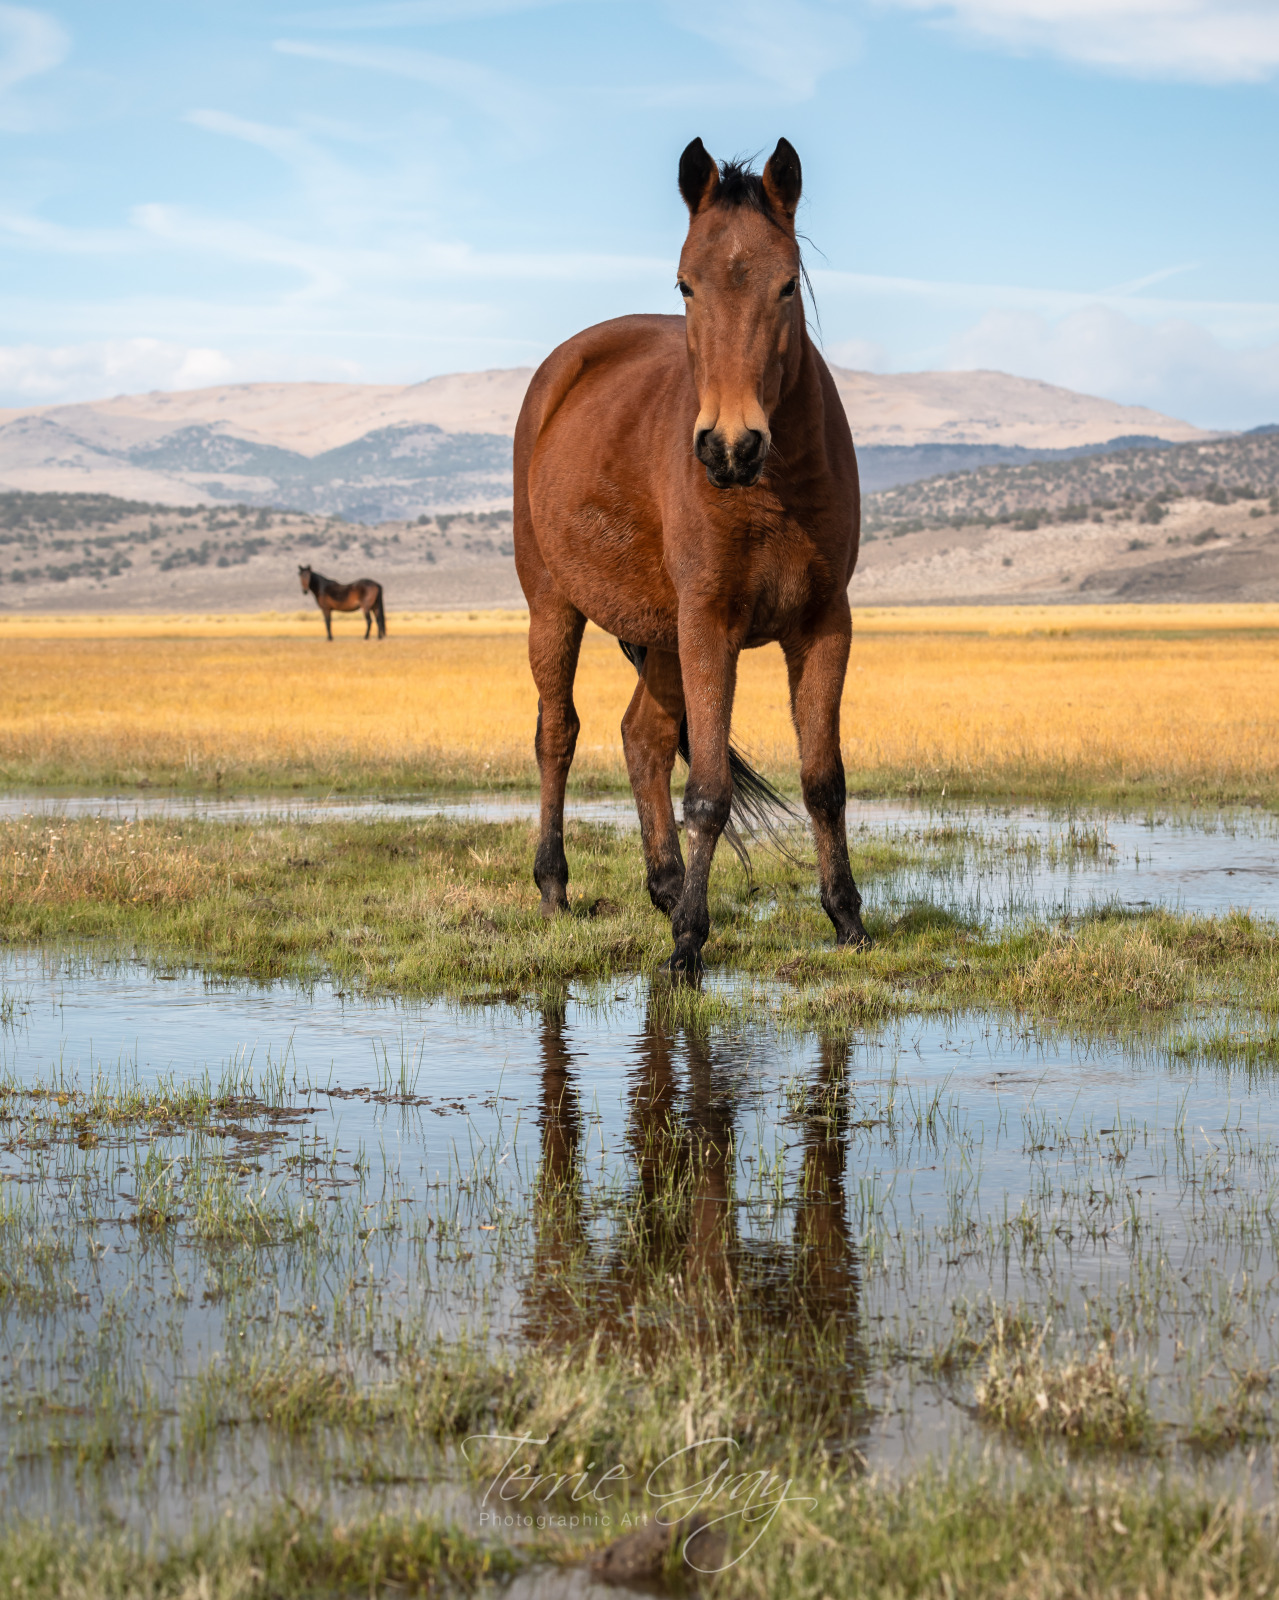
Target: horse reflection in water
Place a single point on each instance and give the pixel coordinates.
(677, 1250)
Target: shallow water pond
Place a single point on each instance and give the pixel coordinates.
(200, 1180)
(285, 1244)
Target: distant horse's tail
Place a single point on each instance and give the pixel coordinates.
(380, 614)
(757, 806)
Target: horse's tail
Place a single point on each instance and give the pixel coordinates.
(757, 806)
(380, 614)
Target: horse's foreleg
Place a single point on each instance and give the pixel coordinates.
(554, 639)
(650, 737)
(328, 621)
(816, 666)
(708, 665)
(712, 1216)
(822, 1237)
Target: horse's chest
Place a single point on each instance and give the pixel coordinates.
(784, 572)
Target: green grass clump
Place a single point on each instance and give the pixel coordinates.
(1232, 1047)
(1084, 1401)
(285, 1556)
(974, 1534)
(441, 907)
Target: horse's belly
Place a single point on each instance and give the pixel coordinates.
(609, 565)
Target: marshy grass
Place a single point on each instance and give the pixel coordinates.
(445, 907)
(288, 1554)
(1243, 1046)
(933, 1538)
(793, 1228)
(1087, 702)
(1083, 1399)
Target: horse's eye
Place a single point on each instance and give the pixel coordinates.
(789, 288)
(685, 290)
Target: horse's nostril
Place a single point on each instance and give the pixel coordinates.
(700, 443)
(751, 447)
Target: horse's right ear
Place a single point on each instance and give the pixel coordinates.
(783, 180)
(698, 177)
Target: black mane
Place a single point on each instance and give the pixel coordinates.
(739, 186)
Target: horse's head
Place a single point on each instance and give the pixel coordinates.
(304, 574)
(739, 273)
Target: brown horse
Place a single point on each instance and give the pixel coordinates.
(363, 595)
(691, 487)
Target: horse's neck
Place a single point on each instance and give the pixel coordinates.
(801, 383)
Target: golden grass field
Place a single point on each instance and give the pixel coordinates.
(1100, 702)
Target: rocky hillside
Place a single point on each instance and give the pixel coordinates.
(67, 553)
(1190, 522)
(96, 552)
(1137, 482)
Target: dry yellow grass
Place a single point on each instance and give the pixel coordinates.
(1097, 701)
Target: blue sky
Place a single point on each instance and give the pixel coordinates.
(1082, 191)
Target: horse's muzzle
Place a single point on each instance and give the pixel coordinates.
(731, 466)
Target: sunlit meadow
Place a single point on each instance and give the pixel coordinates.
(1098, 702)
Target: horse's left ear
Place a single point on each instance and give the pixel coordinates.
(783, 179)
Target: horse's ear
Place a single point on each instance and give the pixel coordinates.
(698, 177)
(783, 179)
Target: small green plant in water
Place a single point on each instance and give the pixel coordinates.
(1086, 1402)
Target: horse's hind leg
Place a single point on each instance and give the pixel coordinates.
(368, 622)
(554, 639)
(650, 737)
(816, 666)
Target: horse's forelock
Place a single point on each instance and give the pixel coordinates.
(741, 189)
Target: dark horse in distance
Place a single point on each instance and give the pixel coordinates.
(363, 595)
(690, 486)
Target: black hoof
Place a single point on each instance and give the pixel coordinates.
(854, 938)
(685, 966)
(554, 904)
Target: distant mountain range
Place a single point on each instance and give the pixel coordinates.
(1193, 521)
(377, 453)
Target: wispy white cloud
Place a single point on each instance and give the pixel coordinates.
(415, 13)
(36, 233)
(321, 269)
(1228, 319)
(863, 355)
(31, 43)
(286, 143)
(492, 93)
(408, 259)
(1204, 41)
(34, 374)
(340, 197)
(1173, 364)
(1147, 280)
(790, 48)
